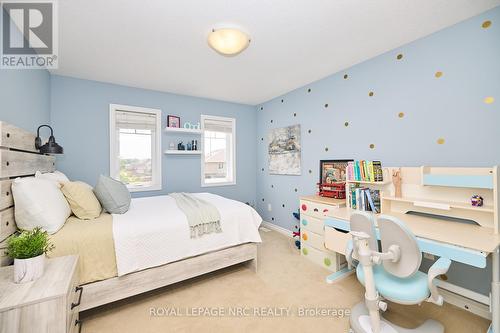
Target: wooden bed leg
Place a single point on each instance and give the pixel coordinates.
(252, 264)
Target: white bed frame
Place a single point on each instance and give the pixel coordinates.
(19, 158)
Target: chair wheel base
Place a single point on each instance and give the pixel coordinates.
(360, 323)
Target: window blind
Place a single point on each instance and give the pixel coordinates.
(215, 125)
(135, 120)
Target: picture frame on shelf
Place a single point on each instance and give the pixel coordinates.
(333, 171)
(173, 121)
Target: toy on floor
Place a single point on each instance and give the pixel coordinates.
(297, 228)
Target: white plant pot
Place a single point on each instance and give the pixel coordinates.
(27, 270)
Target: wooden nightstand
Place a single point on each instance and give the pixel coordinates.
(49, 304)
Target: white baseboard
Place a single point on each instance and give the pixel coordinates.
(277, 228)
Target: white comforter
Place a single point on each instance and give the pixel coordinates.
(155, 231)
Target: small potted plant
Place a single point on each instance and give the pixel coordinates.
(28, 249)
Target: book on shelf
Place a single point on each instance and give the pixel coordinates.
(368, 171)
(363, 198)
(377, 170)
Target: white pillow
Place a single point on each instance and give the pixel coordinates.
(56, 176)
(39, 203)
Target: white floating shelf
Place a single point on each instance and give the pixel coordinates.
(183, 152)
(182, 130)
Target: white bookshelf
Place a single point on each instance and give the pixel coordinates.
(182, 152)
(183, 130)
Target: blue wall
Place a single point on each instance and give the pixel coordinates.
(25, 98)
(450, 107)
(80, 116)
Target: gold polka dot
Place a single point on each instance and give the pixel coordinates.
(399, 57)
(346, 124)
(486, 24)
(346, 76)
(370, 93)
(401, 114)
(489, 100)
(372, 146)
(440, 141)
(438, 74)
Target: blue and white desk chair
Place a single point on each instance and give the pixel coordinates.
(391, 274)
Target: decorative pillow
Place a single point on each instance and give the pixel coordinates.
(82, 200)
(56, 176)
(39, 203)
(113, 195)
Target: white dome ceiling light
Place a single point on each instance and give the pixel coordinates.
(228, 41)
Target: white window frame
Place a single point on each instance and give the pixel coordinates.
(113, 149)
(233, 125)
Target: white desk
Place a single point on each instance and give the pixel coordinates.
(465, 243)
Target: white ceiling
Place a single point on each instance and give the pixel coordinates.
(161, 44)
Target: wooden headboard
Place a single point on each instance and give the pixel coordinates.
(18, 158)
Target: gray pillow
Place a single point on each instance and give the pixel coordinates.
(113, 195)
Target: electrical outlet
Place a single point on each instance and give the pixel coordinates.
(429, 256)
(269, 208)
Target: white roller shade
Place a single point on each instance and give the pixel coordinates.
(135, 120)
(216, 125)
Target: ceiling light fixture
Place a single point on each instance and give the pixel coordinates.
(228, 41)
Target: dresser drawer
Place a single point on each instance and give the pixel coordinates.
(328, 260)
(317, 210)
(312, 224)
(313, 239)
(336, 240)
(74, 324)
(7, 223)
(73, 301)
(4, 259)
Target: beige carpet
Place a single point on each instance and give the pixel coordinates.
(284, 280)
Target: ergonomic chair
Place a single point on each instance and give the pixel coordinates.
(392, 274)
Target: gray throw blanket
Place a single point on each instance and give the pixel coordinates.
(203, 217)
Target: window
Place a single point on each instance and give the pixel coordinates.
(218, 165)
(135, 147)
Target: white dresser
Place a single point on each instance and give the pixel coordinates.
(313, 210)
(47, 305)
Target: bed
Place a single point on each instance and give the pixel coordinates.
(111, 268)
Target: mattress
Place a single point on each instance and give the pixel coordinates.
(92, 241)
(155, 231)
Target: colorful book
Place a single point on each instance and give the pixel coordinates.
(350, 171)
(370, 171)
(377, 170)
(362, 169)
(371, 204)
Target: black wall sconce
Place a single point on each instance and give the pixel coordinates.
(51, 147)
